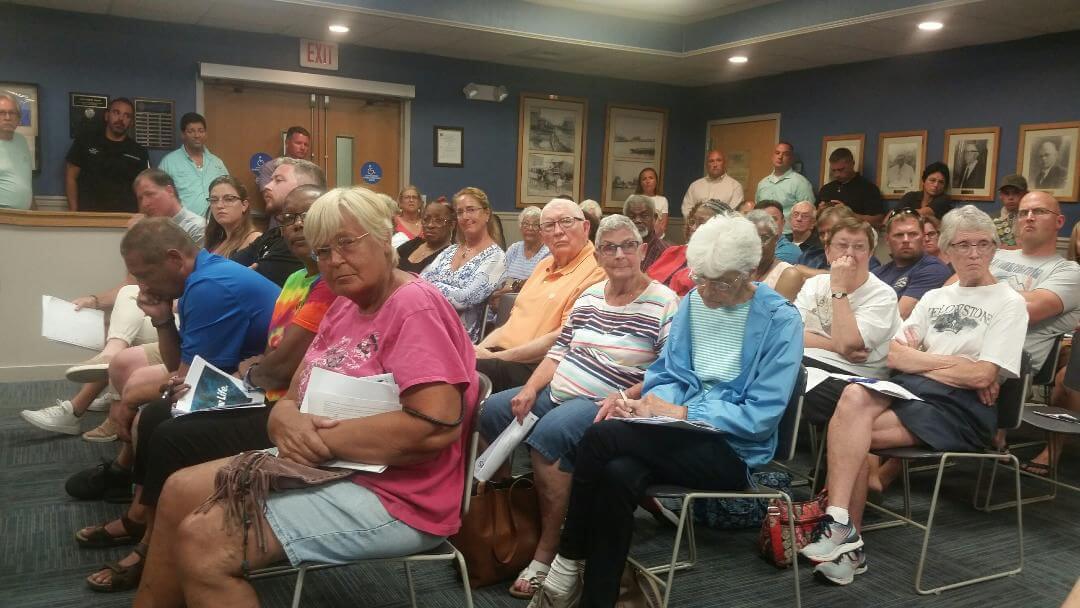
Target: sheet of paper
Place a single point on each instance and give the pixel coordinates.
(814, 377)
(882, 386)
(341, 464)
(346, 408)
(690, 425)
(213, 389)
(61, 323)
(328, 383)
(500, 449)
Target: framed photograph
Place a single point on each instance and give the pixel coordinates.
(634, 139)
(449, 145)
(901, 158)
(551, 148)
(855, 142)
(29, 102)
(1048, 158)
(971, 155)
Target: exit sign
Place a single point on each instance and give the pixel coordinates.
(318, 54)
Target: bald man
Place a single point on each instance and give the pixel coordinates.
(716, 185)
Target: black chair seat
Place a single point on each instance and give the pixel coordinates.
(1049, 424)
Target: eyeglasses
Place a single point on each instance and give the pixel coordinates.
(1035, 211)
(901, 211)
(470, 211)
(434, 221)
(531, 225)
(565, 222)
(965, 247)
(930, 234)
(343, 245)
(228, 199)
(715, 284)
(627, 247)
(11, 113)
(288, 219)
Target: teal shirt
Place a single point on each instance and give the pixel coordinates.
(193, 183)
(787, 190)
(15, 166)
(716, 336)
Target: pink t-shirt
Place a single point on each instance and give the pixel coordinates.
(417, 336)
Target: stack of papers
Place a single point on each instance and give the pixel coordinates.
(60, 322)
(675, 423)
(213, 390)
(342, 397)
(815, 376)
(500, 449)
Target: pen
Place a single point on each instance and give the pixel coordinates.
(623, 395)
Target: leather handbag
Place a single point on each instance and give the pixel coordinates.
(498, 535)
(775, 540)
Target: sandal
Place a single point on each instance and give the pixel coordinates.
(534, 574)
(1035, 468)
(124, 578)
(99, 537)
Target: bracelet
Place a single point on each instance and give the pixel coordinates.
(248, 384)
(167, 321)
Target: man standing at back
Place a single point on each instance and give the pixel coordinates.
(15, 162)
(784, 185)
(297, 145)
(849, 188)
(716, 185)
(101, 165)
(192, 166)
(1013, 188)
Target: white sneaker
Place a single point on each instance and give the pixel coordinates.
(102, 403)
(94, 369)
(59, 418)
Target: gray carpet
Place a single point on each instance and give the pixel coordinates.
(42, 566)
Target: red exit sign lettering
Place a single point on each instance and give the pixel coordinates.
(318, 54)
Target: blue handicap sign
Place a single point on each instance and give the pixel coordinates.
(371, 172)
(258, 160)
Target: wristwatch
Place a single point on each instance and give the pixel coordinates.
(838, 295)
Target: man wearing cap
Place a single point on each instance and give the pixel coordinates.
(1013, 188)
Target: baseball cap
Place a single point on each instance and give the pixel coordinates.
(1015, 181)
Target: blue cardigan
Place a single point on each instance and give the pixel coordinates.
(748, 408)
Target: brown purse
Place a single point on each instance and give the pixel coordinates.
(498, 535)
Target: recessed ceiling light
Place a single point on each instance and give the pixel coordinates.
(931, 26)
(339, 29)
(738, 59)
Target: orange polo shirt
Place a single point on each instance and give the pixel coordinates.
(547, 297)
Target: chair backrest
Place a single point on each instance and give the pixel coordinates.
(474, 440)
(1045, 375)
(506, 304)
(1010, 401)
(1072, 371)
(789, 424)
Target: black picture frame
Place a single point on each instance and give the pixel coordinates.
(448, 146)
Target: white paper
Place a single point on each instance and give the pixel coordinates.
(61, 323)
(500, 449)
(213, 390)
(814, 377)
(675, 423)
(340, 464)
(882, 386)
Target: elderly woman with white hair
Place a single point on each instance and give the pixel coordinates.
(731, 361)
(384, 321)
(522, 256)
(771, 270)
(954, 349)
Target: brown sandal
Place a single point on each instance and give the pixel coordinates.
(99, 537)
(123, 578)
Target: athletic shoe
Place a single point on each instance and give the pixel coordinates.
(830, 540)
(94, 369)
(102, 403)
(104, 481)
(102, 433)
(59, 418)
(842, 571)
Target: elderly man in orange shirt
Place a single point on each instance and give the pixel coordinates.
(509, 354)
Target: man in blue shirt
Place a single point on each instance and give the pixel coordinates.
(192, 166)
(785, 249)
(911, 273)
(784, 185)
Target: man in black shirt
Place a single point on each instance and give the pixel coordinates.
(851, 189)
(102, 165)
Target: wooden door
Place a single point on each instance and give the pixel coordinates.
(747, 145)
(355, 131)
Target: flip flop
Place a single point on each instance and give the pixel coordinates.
(1035, 468)
(99, 538)
(534, 574)
(124, 578)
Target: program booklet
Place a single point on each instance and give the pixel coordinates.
(214, 390)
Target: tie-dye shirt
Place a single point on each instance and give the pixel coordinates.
(303, 302)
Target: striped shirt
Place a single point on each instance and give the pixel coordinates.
(604, 348)
(717, 340)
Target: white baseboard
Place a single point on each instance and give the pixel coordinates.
(32, 373)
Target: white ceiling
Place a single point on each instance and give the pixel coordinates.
(670, 11)
(967, 23)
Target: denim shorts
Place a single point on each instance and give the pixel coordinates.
(340, 522)
(557, 432)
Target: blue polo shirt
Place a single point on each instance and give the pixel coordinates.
(193, 183)
(915, 280)
(225, 312)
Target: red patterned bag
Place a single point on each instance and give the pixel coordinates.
(775, 538)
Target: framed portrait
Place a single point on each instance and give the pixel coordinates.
(901, 158)
(1048, 158)
(971, 155)
(449, 144)
(634, 139)
(29, 102)
(551, 148)
(855, 142)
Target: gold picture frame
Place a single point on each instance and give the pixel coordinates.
(635, 138)
(551, 148)
(856, 142)
(901, 159)
(1054, 144)
(972, 158)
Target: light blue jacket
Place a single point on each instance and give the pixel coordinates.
(747, 409)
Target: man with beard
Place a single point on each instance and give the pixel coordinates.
(911, 273)
(102, 165)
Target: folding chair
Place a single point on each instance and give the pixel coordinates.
(502, 313)
(785, 449)
(444, 552)
(1009, 408)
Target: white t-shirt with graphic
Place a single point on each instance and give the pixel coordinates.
(876, 315)
(981, 323)
(1053, 273)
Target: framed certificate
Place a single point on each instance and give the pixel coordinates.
(449, 145)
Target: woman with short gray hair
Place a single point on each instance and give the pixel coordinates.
(522, 256)
(772, 271)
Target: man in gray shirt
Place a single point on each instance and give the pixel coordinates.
(156, 192)
(15, 163)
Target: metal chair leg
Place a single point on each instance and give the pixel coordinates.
(299, 588)
(672, 565)
(795, 556)
(464, 578)
(409, 581)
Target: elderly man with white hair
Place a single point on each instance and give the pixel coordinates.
(15, 161)
(731, 361)
(511, 353)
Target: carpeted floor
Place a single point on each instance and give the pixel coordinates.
(41, 566)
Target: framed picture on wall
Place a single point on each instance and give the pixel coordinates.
(971, 155)
(551, 148)
(1048, 158)
(855, 143)
(634, 139)
(901, 158)
(448, 145)
(29, 101)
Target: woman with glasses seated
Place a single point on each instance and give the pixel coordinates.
(616, 328)
(522, 256)
(670, 268)
(772, 271)
(731, 361)
(228, 217)
(466, 272)
(958, 344)
(438, 222)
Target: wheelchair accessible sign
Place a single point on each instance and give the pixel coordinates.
(371, 172)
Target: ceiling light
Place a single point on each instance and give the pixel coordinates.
(339, 29)
(931, 26)
(738, 59)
